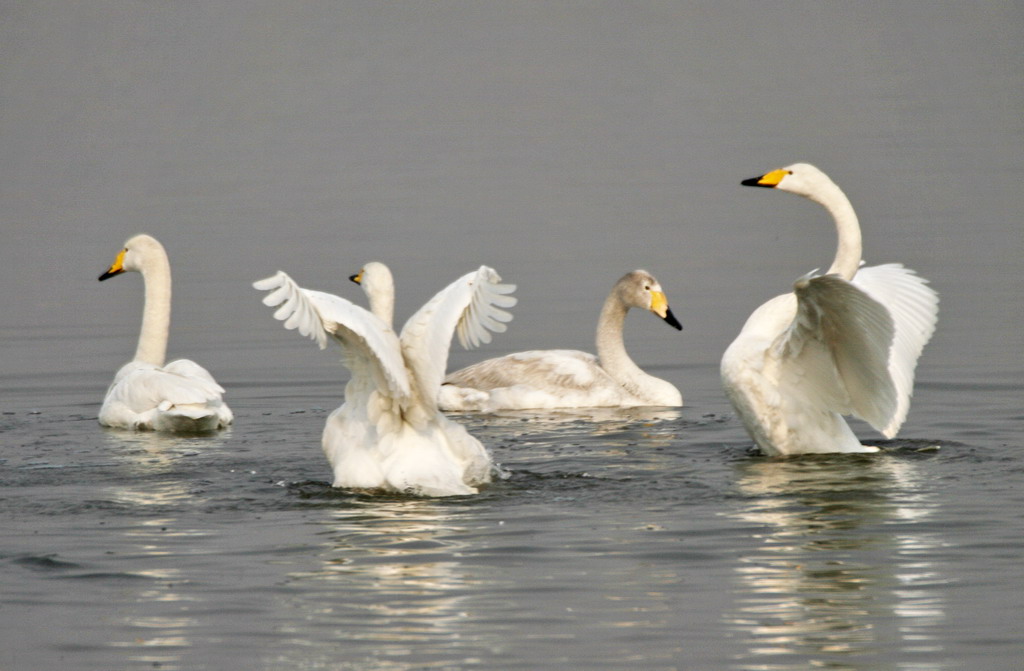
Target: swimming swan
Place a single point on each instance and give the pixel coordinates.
(389, 433)
(845, 342)
(180, 397)
(570, 378)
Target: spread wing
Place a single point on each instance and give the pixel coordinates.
(371, 348)
(471, 306)
(914, 308)
(835, 354)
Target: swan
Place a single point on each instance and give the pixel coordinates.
(389, 433)
(570, 378)
(181, 397)
(843, 343)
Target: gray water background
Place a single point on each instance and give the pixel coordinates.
(564, 144)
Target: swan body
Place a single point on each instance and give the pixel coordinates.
(570, 378)
(389, 434)
(843, 343)
(180, 397)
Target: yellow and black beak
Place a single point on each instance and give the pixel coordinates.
(769, 180)
(357, 278)
(117, 267)
(659, 306)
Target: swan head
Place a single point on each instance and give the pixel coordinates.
(135, 256)
(802, 179)
(375, 279)
(640, 289)
(379, 286)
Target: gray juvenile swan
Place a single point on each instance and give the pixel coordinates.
(570, 378)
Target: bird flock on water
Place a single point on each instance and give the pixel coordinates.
(844, 342)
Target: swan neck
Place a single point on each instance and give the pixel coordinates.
(380, 293)
(382, 305)
(849, 249)
(612, 356)
(611, 349)
(156, 314)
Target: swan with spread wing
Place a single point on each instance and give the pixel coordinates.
(389, 434)
(842, 343)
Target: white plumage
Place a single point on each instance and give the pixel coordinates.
(843, 343)
(570, 378)
(180, 397)
(389, 434)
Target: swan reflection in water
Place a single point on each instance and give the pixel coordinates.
(161, 624)
(151, 463)
(612, 428)
(388, 576)
(601, 420)
(588, 442)
(841, 576)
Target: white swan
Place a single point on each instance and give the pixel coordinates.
(842, 343)
(179, 397)
(389, 433)
(570, 378)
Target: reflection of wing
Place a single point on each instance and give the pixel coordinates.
(834, 355)
(371, 347)
(470, 306)
(914, 308)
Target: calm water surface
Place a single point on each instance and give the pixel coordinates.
(564, 144)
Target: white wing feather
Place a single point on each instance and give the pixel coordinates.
(471, 306)
(835, 353)
(142, 386)
(370, 345)
(914, 307)
(190, 369)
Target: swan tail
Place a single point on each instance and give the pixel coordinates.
(186, 418)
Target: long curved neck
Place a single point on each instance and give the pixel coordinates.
(382, 304)
(848, 250)
(611, 350)
(156, 315)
